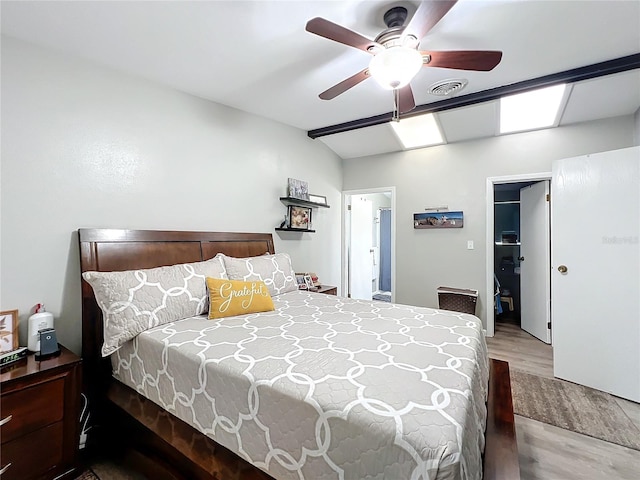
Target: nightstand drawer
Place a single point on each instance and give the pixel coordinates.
(32, 455)
(31, 408)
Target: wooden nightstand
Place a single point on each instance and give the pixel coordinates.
(40, 410)
(327, 289)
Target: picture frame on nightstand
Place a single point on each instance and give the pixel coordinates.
(304, 281)
(8, 330)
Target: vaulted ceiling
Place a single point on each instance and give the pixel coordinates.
(257, 56)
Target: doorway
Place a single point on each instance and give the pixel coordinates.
(368, 244)
(522, 256)
(383, 255)
(504, 256)
(506, 251)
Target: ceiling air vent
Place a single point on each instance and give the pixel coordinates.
(447, 87)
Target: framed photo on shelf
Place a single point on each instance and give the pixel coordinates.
(318, 199)
(299, 217)
(8, 330)
(297, 189)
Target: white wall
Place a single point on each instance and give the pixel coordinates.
(85, 146)
(636, 131)
(455, 175)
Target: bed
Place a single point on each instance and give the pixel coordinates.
(283, 413)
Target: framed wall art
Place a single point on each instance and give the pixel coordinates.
(438, 220)
(299, 217)
(297, 189)
(321, 199)
(8, 330)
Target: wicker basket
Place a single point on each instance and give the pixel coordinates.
(457, 299)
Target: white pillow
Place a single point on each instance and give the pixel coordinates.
(274, 270)
(136, 300)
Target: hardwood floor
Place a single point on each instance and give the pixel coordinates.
(550, 453)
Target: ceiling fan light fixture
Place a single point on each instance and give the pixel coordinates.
(395, 67)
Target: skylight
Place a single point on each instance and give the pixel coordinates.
(531, 110)
(419, 131)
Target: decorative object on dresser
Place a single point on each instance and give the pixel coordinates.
(302, 284)
(40, 408)
(8, 330)
(314, 279)
(305, 281)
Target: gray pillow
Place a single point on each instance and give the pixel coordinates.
(136, 300)
(274, 270)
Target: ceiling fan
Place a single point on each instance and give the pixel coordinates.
(396, 58)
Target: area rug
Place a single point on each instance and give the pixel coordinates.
(382, 297)
(87, 475)
(572, 407)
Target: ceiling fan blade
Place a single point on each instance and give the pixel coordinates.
(428, 14)
(345, 85)
(406, 101)
(480, 60)
(339, 34)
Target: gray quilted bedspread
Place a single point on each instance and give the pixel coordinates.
(325, 387)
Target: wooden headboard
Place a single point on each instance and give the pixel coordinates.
(106, 250)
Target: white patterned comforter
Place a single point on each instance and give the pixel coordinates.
(325, 387)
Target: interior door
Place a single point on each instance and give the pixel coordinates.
(385, 250)
(535, 263)
(360, 252)
(595, 280)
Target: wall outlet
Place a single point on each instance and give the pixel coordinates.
(469, 244)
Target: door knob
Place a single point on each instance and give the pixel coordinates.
(562, 269)
(521, 259)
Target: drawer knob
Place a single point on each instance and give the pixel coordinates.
(5, 468)
(5, 420)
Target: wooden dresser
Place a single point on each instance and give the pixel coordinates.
(40, 414)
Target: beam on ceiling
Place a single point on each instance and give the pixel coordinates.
(610, 67)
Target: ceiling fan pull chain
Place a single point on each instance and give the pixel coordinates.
(396, 105)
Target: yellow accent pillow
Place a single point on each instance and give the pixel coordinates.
(235, 297)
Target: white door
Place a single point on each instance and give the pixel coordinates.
(360, 253)
(595, 280)
(535, 263)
